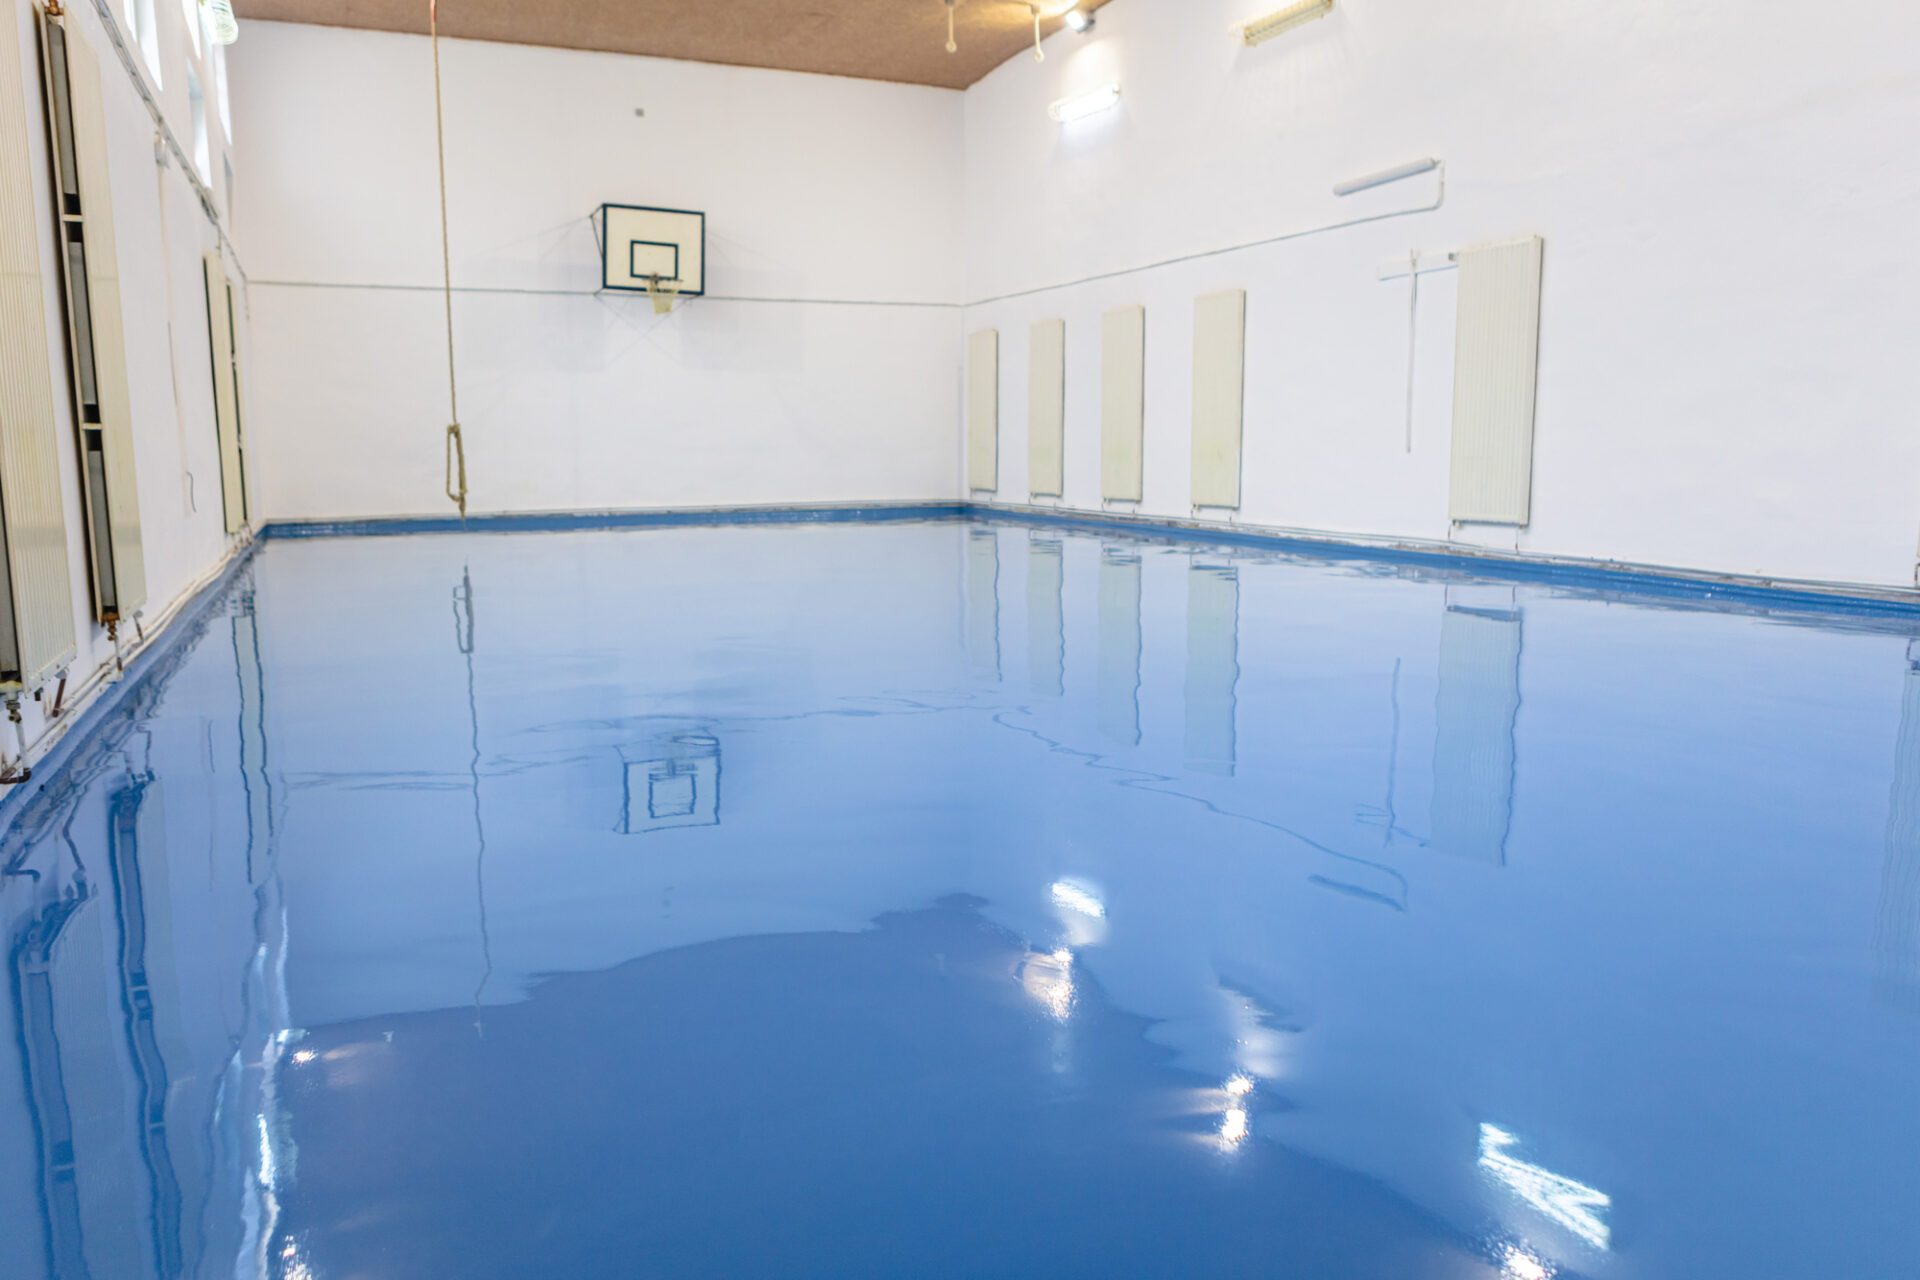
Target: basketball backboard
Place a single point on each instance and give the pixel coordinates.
(653, 248)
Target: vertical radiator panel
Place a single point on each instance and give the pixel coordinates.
(1496, 362)
(1475, 714)
(1046, 617)
(1046, 408)
(226, 399)
(1219, 381)
(983, 410)
(1213, 666)
(234, 304)
(109, 342)
(1123, 402)
(1119, 684)
(32, 509)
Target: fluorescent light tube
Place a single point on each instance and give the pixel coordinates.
(1082, 105)
(1411, 168)
(1260, 30)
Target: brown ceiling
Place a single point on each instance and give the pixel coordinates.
(901, 40)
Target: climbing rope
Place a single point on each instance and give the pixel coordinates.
(456, 446)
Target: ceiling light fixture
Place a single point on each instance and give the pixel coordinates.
(1082, 105)
(1260, 30)
(1078, 19)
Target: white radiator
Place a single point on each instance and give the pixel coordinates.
(983, 410)
(1496, 359)
(226, 392)
(1219, 376)
(1123, 402)
(37, 600)
(1046, 408)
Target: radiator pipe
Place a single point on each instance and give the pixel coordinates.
(17, 770)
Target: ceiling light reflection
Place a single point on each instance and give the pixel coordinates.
(1574, 1205)
(1523, 1266)
(1236, 1117)
(1048, 978)
(1077, 898)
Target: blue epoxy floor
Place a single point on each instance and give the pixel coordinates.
(945, 899)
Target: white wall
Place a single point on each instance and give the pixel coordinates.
(1723, 190)
(1726, 190)
(163, 302)
(814, 187)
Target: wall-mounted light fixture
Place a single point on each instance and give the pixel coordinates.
(1412, 168)
(1082, 105)
(1260, 30)
(220, 22)
(1078, 19)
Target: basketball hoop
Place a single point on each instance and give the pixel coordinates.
(663, 295)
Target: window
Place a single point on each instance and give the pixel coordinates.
(220, 91)
(138, 15)
(190, 10)
(197, 104)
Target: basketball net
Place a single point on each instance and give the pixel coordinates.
(663, 295)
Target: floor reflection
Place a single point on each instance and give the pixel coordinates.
(1213, 665)
(1204, 1003)
(1473, 749)
(1896, 934)
(1046, 620)
(138, 898)
(983, 601)
(767, 1106)
(671, 782)
(1120, 645)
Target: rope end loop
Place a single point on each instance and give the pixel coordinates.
(457, 468)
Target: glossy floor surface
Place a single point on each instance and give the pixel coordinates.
(946, 899)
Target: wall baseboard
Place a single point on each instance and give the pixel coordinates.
(1862, 600)
(569, 521)
(1574, 572)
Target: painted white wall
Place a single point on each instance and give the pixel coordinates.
(1726, 193)
(1721, 189)
(815, 187)
(160, 231)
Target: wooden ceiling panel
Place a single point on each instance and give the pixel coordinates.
(899, 40)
